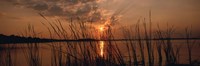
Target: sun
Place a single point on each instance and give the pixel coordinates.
(101, 28)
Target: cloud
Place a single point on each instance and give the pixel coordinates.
(41, 6)
(85, 10)
(55, 10)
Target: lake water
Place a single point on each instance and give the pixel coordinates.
(63, 53)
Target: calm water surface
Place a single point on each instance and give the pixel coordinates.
(45, 53)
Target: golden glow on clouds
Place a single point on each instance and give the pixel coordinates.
(177, 12)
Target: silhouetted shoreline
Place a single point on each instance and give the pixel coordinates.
(12, 39)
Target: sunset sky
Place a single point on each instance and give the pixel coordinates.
(15, 15)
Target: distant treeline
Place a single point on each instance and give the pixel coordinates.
(4, 39)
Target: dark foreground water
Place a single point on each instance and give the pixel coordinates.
(88, 53)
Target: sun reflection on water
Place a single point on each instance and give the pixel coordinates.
(101, 48)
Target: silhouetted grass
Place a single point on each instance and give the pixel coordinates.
(144, 51)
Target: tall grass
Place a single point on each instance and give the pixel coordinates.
(33, 53)
(140, 46)
(190, 44)
(80, 53)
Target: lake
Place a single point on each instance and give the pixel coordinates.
(94, 53)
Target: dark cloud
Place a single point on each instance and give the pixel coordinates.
(55, 10)
(41, 6)
(96, 17)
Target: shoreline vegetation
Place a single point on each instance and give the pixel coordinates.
(142, 45)
(157, 49)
